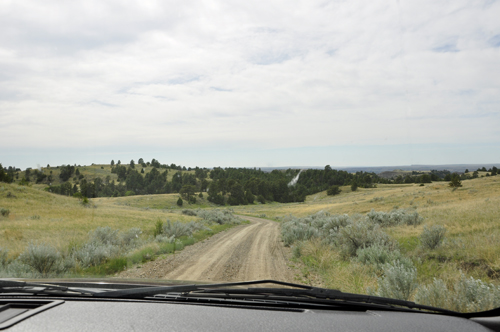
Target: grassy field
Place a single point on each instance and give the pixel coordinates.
(36, 215)
(471, 215)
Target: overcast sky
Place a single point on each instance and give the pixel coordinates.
(250, 83)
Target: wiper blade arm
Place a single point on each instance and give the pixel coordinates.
(141, 292)
(12, 286)
(330, 294)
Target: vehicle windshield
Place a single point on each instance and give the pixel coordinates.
(350, 145)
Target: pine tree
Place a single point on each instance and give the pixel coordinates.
(455, 181)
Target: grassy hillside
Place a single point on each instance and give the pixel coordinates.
(90, 173)
(471, 215)
(36, 215)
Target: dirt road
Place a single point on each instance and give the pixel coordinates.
(245, 252)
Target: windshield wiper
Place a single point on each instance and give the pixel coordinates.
(301, 293)
(11, 286)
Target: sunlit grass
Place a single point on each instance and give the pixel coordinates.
(471, 215)
(61, 219)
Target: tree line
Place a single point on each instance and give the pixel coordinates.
(233, 186)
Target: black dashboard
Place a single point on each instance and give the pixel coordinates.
(139, 315)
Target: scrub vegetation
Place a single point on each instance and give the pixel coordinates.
(69, 238)
(435, 245)
(433, 242)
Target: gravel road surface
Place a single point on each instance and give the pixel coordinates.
(244, 252)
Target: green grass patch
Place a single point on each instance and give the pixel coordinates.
(111, 267)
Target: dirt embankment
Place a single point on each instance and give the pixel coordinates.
(245, 252)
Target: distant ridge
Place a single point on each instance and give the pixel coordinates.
(379, 169)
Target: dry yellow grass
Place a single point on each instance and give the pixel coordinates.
(36, 215)
(471, 215)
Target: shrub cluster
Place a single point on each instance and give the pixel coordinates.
(348, 233)
(432, 237)
(107, 246)
(399, 280)
(105, 243)
(466, 295)
(176, 229)
(218, 216)
(189, 213)
(395, 217)
(42, 260)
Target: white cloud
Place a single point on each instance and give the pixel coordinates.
(264, 74)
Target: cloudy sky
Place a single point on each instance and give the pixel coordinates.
(250, 83)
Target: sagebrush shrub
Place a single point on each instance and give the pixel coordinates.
(105, 235)
(432, 237)
(165, 239)
(395, 217)
(434, 295)
(130, 238)
(398, 282)
(295, 230)
(466, 295)
(189, 212)
(220, 217)
(362, 235)
(378, 255)
(176, 229)
(105, 243)
(474, 295)
(42, 258)
(92, 254)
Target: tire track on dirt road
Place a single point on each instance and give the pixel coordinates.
(244, 252)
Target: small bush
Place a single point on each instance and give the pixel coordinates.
(432, 237)
(131, 238)
(297, 231)
(434, 295)
(158, 228)
(92, 254)
(466, 295)
(362, 235)
(42, 258)
(220, 217)
(333, 190)
(297, 250)
(176, 229)
(105, 235)
(399, 281)
(378, 255)
(5, 212)
(165, 239)
(395, 217)
(3, 257)
(189, 213)
(180, 202)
